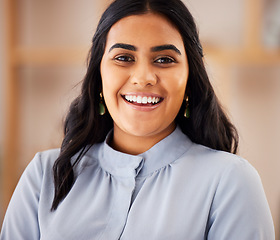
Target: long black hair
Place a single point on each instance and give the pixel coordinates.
(84, 126)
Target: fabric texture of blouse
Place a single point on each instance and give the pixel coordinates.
(176, 190)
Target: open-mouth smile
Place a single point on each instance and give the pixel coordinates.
(142, 100)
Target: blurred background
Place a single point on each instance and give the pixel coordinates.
(44, 45)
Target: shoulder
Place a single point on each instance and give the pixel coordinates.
(228, 175)
(218, 170)
(210, 161)
(222, 158)
(216, 160)
(41, 165)
(44, 159)
(50, 154)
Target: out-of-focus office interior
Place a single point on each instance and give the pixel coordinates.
(44, 45)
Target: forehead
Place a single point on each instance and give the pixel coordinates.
(147, 29)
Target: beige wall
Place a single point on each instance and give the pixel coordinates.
(2, 71)
(2, 91)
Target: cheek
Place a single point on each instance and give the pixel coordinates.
(108, 76)
(176, 83)
(112, 82)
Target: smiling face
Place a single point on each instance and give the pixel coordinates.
(144, 73)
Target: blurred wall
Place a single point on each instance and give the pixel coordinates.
(2, 91)
(2, 77)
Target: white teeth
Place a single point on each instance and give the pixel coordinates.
(139, 99)
(142, 100)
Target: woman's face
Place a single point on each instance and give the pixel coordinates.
(144, 73)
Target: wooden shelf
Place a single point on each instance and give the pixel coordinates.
(47, 56)
(78, 55)
(243, 56)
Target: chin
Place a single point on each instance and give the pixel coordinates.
(148, 130)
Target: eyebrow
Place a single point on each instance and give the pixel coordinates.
(124, 46)
(166, 47)
(153, 49)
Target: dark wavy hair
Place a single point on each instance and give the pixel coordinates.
(84, 126)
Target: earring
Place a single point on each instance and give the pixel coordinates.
(187, 110)
(102, 109)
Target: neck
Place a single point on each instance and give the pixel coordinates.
(133, 144)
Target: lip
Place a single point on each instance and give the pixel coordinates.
(140, 106)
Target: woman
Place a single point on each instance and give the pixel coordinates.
(132, 164)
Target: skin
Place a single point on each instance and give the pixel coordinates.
(133, 64)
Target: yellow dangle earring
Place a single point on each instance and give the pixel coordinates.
(187, 110)
(102, 109)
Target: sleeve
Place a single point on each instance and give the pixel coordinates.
(240, 209)
(21, 219)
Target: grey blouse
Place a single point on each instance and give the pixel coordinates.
(176, 190)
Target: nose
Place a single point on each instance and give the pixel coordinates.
(143, 75)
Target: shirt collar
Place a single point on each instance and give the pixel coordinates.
(160, 155)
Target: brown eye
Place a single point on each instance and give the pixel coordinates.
(124, 58)
(164, 60)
